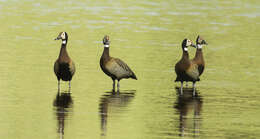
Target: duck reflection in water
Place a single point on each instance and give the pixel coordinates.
(63, 106)
(189, 108)
(113, 104)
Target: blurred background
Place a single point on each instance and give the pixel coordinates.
(147, 35)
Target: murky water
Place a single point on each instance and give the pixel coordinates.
(146, 35)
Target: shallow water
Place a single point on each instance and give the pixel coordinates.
(147, 36)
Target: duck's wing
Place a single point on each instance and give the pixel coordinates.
(193, 71)
(119, 69)
(201, 69)
(123, 65)
(72, 67)
(178, 68)
(56, 67)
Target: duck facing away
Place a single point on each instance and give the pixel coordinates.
(114, 67)
(185, 69)
(64, 67)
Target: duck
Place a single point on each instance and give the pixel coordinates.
(115, 68)
(185, 69)
(64, 67)
(198, 59)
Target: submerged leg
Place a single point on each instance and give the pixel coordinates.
(194, 89)
(118, 86)
(181, 88)
(114, 85)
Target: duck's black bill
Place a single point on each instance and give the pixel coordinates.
(204, 42)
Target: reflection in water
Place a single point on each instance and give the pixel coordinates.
(63, 104)
(189, 107)
(111, 103)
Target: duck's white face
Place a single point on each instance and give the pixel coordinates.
(200, 42)
(106, 41)
(63, 35)
(188, 43)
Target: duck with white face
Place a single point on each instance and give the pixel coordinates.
(198, 60)
(115, 68)
(184, 67)
(64, 67)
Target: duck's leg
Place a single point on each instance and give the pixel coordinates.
(118, 86)
(58, 86)
(113, 85)
(69, 86)
(194, 89)
(181, 88)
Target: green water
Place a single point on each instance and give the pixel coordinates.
(147, 36)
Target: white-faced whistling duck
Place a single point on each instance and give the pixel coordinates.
(185, 69)
(64, 67)
(198, 59)
(114, 67)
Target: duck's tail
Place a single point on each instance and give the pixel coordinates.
(133, 76)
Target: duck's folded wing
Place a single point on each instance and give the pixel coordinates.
(193, 71)
(56, 67)
(123, 65)
(118, 68)
(72, 68)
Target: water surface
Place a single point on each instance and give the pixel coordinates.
(147, 36)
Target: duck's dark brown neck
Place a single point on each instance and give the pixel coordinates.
(63, 52)
(199, 54)
(105, 55)
(185, 55)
